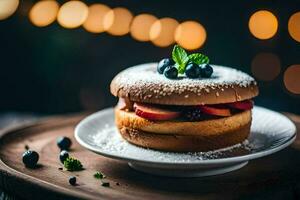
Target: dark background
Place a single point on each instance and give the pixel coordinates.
(55, 70)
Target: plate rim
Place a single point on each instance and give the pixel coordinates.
(234, 159)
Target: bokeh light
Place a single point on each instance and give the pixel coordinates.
(117, 21)
(292, 79)
(190, 35)
(44, 13)
(7, 8)
(95, 20)
(294, 26)
(263, 24)
(266, 66)
(72, 14)
(140, 27)
(162, 32)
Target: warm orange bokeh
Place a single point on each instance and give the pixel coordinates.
(44, 13)
(294, 26)
(117, 21)
(263, 24)
(7, 8)
(72, 14)
(140, 27)
(190, 35)
(162, 32)
(292, 80)
(95, 20)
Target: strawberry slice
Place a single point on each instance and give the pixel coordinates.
(154, 113)
(242, 105)
(224, 112)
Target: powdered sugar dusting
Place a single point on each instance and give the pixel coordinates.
(109, 141)
(145, 76)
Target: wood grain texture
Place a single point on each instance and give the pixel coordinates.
(275, 176)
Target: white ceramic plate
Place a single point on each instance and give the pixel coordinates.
(270, 132)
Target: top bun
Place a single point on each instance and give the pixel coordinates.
(142, 83)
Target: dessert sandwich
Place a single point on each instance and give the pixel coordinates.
(183, 104)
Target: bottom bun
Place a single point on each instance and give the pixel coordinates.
(179, 143)
(184, 136)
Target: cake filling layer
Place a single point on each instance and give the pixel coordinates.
(207, 127)
(156, 112)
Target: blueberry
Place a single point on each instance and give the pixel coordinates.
(163, 64)
(193, 114)
(72, 180)
(30, 158)
(206, 71)
(105, 184)
(63, 156)
(171, 72)
(192, 70)
(64, 143)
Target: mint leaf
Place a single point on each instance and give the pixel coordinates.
(72, 164)
(198, 58)
(99, 175)
(180, 57)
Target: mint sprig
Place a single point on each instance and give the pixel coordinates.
(181, 58)
(72, 164)
(198, 58)
(99, 175)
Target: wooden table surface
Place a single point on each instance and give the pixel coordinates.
(273, 177)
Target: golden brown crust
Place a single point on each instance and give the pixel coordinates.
(144, 84)
(180, 143)
(184, 136)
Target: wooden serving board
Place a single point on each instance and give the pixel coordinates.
(274, 176)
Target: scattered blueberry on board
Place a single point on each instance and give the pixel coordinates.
(193, 66)
(63, 156)
(105, 184)
(64, 143)
(30, 158)
(72, 180)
